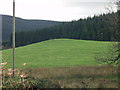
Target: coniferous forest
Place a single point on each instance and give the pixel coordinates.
(99, 28)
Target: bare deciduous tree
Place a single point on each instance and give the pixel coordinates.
(113, 56)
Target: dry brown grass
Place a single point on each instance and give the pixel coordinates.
(79, 77)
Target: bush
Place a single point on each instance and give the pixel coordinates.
(22, 79)
(29, 82)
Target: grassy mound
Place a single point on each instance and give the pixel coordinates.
(56, 53)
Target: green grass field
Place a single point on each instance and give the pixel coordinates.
(57, 53)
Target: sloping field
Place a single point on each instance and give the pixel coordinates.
(57, 53)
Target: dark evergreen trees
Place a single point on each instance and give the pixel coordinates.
(96, 28)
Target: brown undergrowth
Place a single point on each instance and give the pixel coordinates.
(79, 77)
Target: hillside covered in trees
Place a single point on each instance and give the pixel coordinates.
(24, 25)
(99, 28)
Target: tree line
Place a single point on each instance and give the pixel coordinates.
(99, 28)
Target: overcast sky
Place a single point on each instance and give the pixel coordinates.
(58, 10)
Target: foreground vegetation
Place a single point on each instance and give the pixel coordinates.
(65, 77)
(22, 80)
(79, 77)
(57, 53)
